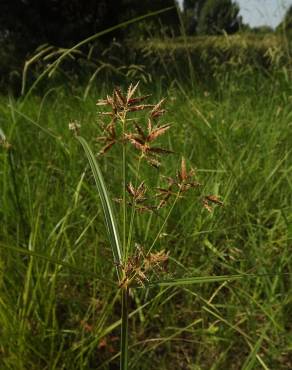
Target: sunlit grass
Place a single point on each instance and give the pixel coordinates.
(63, 311)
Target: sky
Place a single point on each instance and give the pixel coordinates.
(262, 12)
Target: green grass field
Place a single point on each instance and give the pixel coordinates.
(60, 302)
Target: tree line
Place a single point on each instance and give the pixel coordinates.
(65, 22)
(27, 24)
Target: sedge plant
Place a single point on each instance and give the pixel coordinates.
(136, 135)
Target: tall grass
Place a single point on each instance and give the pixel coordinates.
(60, 302)
(223, 294)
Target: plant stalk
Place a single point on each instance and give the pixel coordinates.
(123, 120)
(124, 329)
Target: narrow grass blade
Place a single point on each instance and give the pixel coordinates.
(109, 215)
(53, 260)
(206, 279)
(53, 66)
(194, 280)
(44, 129)
(253, 357)
(28, 63)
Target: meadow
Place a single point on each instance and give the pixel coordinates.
(60, 304)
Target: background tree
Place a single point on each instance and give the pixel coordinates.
(164, 23)
(27, 24)
(286, 24)
(65, 22)
(262, 29)
(191, 13)
(218, 16)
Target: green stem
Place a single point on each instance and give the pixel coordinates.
(124, 176)
(133, 212)
(124, 329)
(164, 222)
(124, 202)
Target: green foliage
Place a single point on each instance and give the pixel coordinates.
(262, 29)
(286, 24)
(212, 57)
(167, 23)
(191, 13)
(211, 17)
(58, 302)
(219, 16)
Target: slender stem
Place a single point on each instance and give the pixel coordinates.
(133, 212)
(124, 329)
(124, 314)
(164, 222)
(124, 176)
(124, 202)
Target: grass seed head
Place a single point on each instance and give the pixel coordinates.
(131, 91)
(208, 200)
(75, 127)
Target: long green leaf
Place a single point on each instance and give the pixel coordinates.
(109, 216)
(206, 279)
(194, 280)
(30, 120)
(54, 261)
(251, 359)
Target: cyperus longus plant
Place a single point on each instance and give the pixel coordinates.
(122, 124)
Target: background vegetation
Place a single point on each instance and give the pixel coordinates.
(229, 103)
